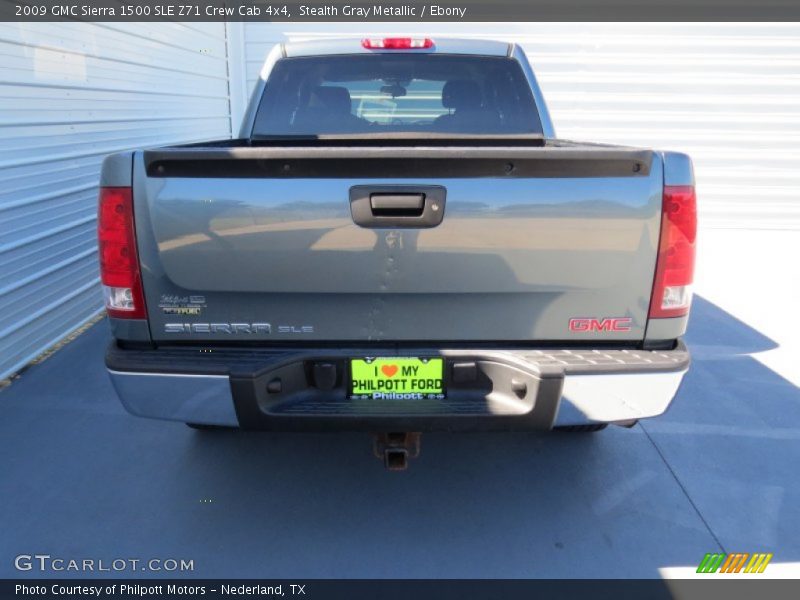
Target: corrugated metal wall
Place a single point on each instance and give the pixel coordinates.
(69, 95)
(726, 93)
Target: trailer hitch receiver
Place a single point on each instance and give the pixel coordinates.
(394, 449)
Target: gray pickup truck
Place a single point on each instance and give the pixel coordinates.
(397, 242)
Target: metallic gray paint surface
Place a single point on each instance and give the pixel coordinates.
(666, 329)
(678, 169)
(519, 55)
(514, 258)
(202, 399)
(353, 46)
(249, 118)
(117, 170)
(134, 330)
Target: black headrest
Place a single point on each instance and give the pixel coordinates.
(461, 94)
(334, 98)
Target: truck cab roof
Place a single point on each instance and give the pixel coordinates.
(327, 47)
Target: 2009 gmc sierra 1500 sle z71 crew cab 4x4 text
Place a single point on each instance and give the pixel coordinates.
(397, 242)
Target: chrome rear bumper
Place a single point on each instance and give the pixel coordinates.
(229, 387)
(202, 399)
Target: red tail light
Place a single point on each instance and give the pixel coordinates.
(396, 43)
(119, 264)
(675, 267)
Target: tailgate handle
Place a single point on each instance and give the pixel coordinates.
(397, 206)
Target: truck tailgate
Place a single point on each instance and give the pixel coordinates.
(261, 244)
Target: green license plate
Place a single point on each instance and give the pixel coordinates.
(397, 378)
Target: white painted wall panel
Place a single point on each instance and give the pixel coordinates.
(69, 95)
(726, 93)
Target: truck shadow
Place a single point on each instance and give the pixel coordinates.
(522, 505)
(731, 436)
(87, 479)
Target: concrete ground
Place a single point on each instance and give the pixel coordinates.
(718, 472)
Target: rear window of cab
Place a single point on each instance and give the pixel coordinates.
(432, 93)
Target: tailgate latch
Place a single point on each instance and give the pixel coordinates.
(397, 206)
